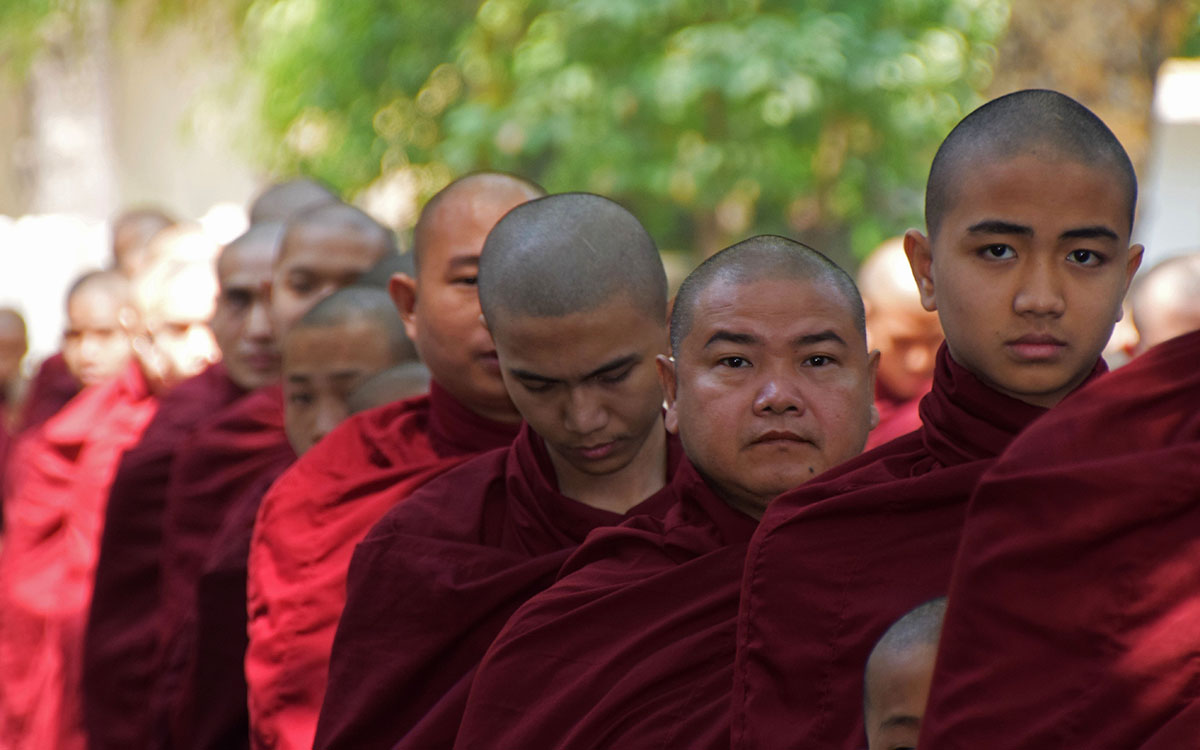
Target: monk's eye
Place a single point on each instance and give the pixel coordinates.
(818, 360)
(536, 386)
(998, 252)
(302, 283)
(466, 280)
(734, 362)
(1085, 257)
(300, 399)
(612, 378)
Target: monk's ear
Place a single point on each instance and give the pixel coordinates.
(872, 371)
(667, 378)
(1136, 254)
(919, 250)
(403, 290)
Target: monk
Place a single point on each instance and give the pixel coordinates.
(1029, 207)
(1165, 301)
(132, 232)
(284, 200)
(14, 345)
(123, 627)
(905, 334)
(770, 384)
(314, 515)
(60, 479)
(1073, 617)
(397, 383)
(243, 448)
(898, 673)
(347, 337)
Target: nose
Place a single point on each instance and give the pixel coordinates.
(258, 322)
(330, 415)
(778, 394)
(1040, 291)
(584, 414)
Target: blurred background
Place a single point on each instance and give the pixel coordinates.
(711, 119)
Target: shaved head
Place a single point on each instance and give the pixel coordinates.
(1166, 300)
(472, 194)
(393, 384)
(566, 254)
(258, 240)
(1035, 121)
(342, 220)
(360, 303)
(132, 231)
(283, 200)
(898, 674)
(108, 283)
(885, 277)
(380, 275)
(95, 343)
(760, 258)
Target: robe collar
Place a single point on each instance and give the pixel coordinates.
(456, 430)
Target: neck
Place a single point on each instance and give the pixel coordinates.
(622, 489)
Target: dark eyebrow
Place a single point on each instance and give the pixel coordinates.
(903, 720)
(730, 337)
(464, 261)
(297, 378)
(615, 364)
(1089, 233)
(818, 338)
(995, 226)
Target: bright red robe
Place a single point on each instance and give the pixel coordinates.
(121, 641)
(837, 561)
(632, 646)
(306, 531)
(51, 389)
(897, 417)
(1074, 617)
(58, 486)
(222, 460)
(433, 584)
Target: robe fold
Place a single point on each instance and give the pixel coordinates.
(834, 563)
(51, 389)
(224, 458)
(896, 416)
(632, 646)
(58, 486)
(433, 584)
(1074, 615)
(121, 640)
(306, 531)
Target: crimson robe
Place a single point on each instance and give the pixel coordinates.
(1074, 615)
(834, 563)
(222, 460)
(58, 486)
(121, 640)
(306, 530)
(433, 584)
(896, 416)
(51, 389)
(632, 646)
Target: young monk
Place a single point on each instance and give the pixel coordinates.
(60, 480)
(1029, 207)
(1166, 301)
(347, 337)
(575, 295)
(898, 673)
(770, 384)
(1073, 618)
(905, 334)
(123, 626)
(322, 250)
(95, 346)
(311, 519)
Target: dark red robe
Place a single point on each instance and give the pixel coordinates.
(632, 646)
(58, 486)
(896, 416)
(225, 457)
(834, 563)
(121, 641)
(1074, 617)
(51, 389)
(306, 531)
(433, 584)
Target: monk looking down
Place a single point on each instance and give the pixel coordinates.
(897, 677)
(770, 384)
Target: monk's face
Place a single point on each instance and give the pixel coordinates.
(322, 366)
(95, 346)
(1027, 272)
(772, 386)
(586, 382)
(241, 322)
(897, 690)
(178, 326)
(440, 307)
(314, 262)
(907, 337)
(13, 346)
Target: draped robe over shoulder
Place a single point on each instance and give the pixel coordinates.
(896, 416)
(51, 389)
(1074, 615)
(306, 531)
(58, 487)
(121, 641)
(834, 563)
(435, 581)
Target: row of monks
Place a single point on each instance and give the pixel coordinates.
(548, 506)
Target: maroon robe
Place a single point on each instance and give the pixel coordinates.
(121, 640)
(632, 646)
(1074, 616)
(305, 534)
(896, 416)
(51, 389)
(834, 563)
(434, 582)
(224, 458)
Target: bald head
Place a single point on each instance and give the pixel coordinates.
(482, 194)
(95, 344)
(342, 221)
(366, 304)
(885, 277)
(258, 241)
(569, 253)
(283, 200)
(898, 675)
(1166, 300)
(393, 384)
(380, 274)
(131, 232)
(176, 297)
(765, 257)
(1031, 122)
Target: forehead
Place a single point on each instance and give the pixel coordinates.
(93, 307)
(331, 347)
(245, 261)
(461, 222)
(326, 248)
(771, 309)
